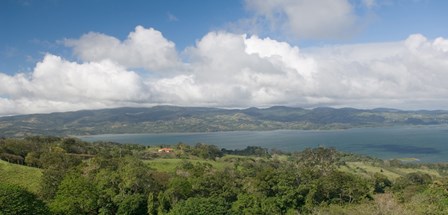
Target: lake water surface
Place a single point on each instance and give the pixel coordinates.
(426, 143)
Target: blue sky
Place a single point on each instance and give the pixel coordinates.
(35, 27)
(360, 53)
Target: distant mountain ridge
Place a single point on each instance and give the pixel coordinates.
(165, 119)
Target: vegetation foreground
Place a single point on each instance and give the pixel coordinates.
(54, 175)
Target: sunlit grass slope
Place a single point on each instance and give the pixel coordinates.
(24, 176)
(365, 168)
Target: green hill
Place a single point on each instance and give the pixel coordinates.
(164, 119)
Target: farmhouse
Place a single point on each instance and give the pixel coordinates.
(165, 150)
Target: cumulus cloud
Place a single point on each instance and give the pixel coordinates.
(407, 74)
(238, 71)
(144, 48)
(58, 84)
(308, 19)
(232, 70)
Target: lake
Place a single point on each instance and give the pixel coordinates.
(426, 143)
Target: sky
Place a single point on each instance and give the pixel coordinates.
(66, 55)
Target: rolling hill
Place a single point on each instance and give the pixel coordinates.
(161, 119)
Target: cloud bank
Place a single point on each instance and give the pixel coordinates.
(230, 70)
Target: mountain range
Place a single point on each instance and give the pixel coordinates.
(166, 119)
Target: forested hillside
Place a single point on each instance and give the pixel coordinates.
(70, 176)
(163, 119)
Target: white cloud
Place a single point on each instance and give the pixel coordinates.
(237, 70)
(234, 70)
(144, 48)
(386, 74)
(57, 84)
(231, 70)
(308, 19)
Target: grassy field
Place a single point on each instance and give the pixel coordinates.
(367, 169)
(170, 164)
(360, 168)
(24, 176)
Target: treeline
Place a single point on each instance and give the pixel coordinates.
(108, 178)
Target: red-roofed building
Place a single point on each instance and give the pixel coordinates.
(166, 150)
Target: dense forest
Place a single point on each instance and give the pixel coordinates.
(63, 175)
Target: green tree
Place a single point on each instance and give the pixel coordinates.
(152, 204)
(201, 206)
(322, 160)
(255, 204)
(135, 176)
(76, 195)
(32, 159)
(207, 151)
(58, 159)
(132, 204)
(164, 203)
(409, 185)
(107, 182)
(51, 178)
(17, 200)
(341, 187)
(217, 184)
(56, 165)
(178, 189)
(381, 183)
